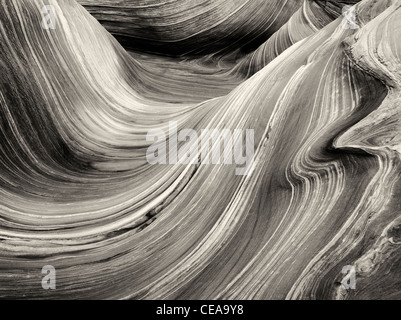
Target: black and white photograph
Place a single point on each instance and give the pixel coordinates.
(222, 151)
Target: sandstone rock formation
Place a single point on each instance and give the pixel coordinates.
(76, 189)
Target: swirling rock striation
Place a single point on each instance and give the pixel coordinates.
(77, 192)
(191, 27)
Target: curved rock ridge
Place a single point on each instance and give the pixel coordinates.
(78, 193)
(310, 18)
(196, 78)
(192, 27)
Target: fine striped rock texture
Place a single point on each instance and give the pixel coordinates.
(78, 193)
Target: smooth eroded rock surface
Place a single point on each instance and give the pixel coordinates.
(76, 189)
